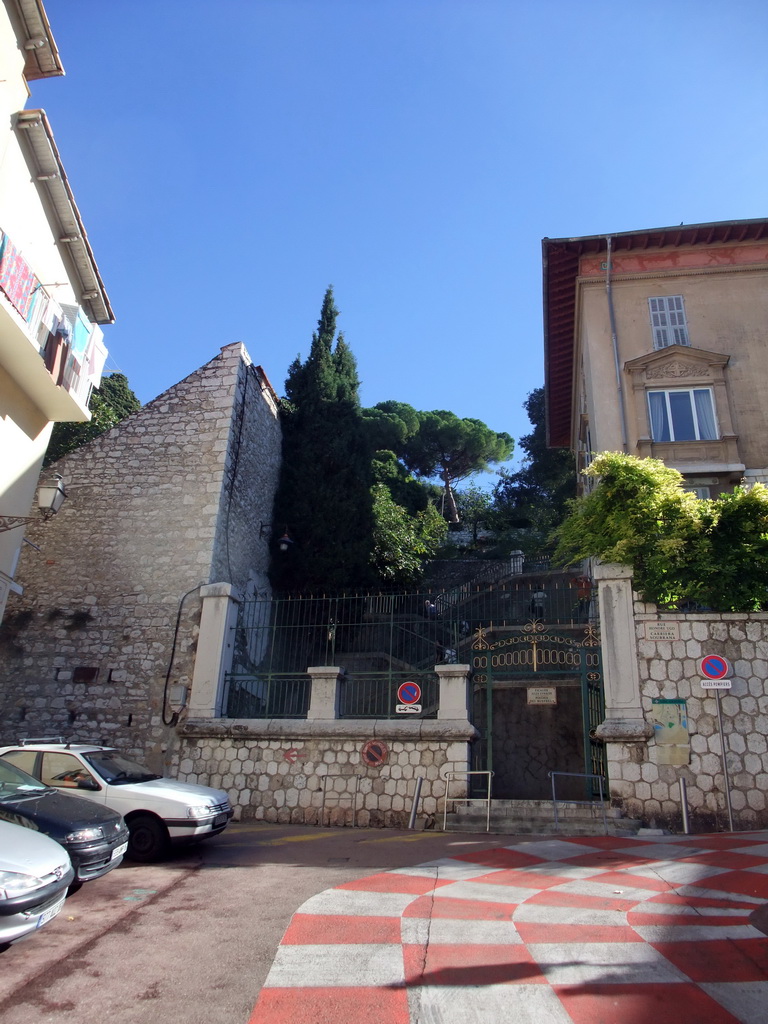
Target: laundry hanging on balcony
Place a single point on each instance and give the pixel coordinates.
(16, 277)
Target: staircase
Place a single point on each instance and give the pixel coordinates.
(537, 817)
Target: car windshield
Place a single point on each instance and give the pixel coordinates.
(15, 783)
(116, 769)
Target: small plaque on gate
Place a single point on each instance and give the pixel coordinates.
(542, 695)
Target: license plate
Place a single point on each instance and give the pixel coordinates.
(50, 912)
(220, 819)
(119, 851)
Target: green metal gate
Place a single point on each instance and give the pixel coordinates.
(535, 654)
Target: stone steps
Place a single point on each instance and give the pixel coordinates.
(537, 817)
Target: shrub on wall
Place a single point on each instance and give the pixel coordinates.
(681, 548)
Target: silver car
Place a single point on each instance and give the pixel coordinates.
(35, 873)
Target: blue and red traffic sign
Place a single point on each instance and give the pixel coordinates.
(409, 693)
(715, 666)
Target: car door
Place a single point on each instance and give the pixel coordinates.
(67, 772)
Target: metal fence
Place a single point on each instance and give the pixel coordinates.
(380, 641)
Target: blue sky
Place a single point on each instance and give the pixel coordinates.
(231, 159)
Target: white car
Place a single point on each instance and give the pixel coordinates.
(35, 873)
(158, 811)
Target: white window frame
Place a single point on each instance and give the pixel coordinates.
(703, 493)
(668, 321)
(697, 426)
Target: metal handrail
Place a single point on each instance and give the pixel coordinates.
(338, 775)
(467, 799)
(578, 775)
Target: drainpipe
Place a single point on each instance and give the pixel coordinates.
(615, 343)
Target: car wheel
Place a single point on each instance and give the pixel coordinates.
(148, 839)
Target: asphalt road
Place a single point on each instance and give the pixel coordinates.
(192, 939)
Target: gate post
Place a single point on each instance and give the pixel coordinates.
(324, 701)
(624, 720)
(454, 692)
(215, 647)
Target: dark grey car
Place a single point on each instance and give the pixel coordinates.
(94, 836)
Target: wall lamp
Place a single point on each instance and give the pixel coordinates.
(285, 543)
(49, 500)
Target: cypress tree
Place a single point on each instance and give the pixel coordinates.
(324, 495)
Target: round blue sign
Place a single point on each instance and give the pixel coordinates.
(409, 693)
(714, 666)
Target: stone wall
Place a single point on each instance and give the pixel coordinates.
(755, 476)
(348, 772)
(668, 650)
(171, 499)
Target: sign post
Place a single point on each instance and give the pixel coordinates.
(716, 671)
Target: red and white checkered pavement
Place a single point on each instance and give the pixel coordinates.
(653, 930)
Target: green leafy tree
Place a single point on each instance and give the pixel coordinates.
(402, 542)
(535, 498)
(324, 493)
(452, 449)
(680, 548)
(389, 425)
(476, 509)
(110, 403)
(412, 494)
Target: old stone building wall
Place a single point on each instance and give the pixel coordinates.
(169, 500)
(686, 740)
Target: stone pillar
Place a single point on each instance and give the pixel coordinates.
(214, 649)
(454, 692)
(624, 721)
(324, 702)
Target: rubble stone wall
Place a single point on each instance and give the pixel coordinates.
(669, 648)
(171, 498)
(345, 772)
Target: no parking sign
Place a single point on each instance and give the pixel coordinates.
(409, 695)
(715, 672)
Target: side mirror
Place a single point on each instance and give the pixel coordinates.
(91, 784)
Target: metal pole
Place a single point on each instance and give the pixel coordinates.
(684, 806)
(554, 798)
(726, 778)
(416, 797)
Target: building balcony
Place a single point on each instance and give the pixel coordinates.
(719, 456)
(50, 351)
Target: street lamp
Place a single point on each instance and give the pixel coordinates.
(49, 501)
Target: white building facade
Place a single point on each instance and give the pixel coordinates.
(52, 298)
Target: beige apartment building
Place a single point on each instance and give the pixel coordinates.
(656, 344)
(52, 298)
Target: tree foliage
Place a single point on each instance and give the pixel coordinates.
(110, 403)
(355, 490)
(453, 449)
(403, 541)
(535, 497)
(412, 494)
(324, 493)
(681, 548)
(476, 509)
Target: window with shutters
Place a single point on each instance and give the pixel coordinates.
(668, 321)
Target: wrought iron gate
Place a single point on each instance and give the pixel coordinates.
(535, 654)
